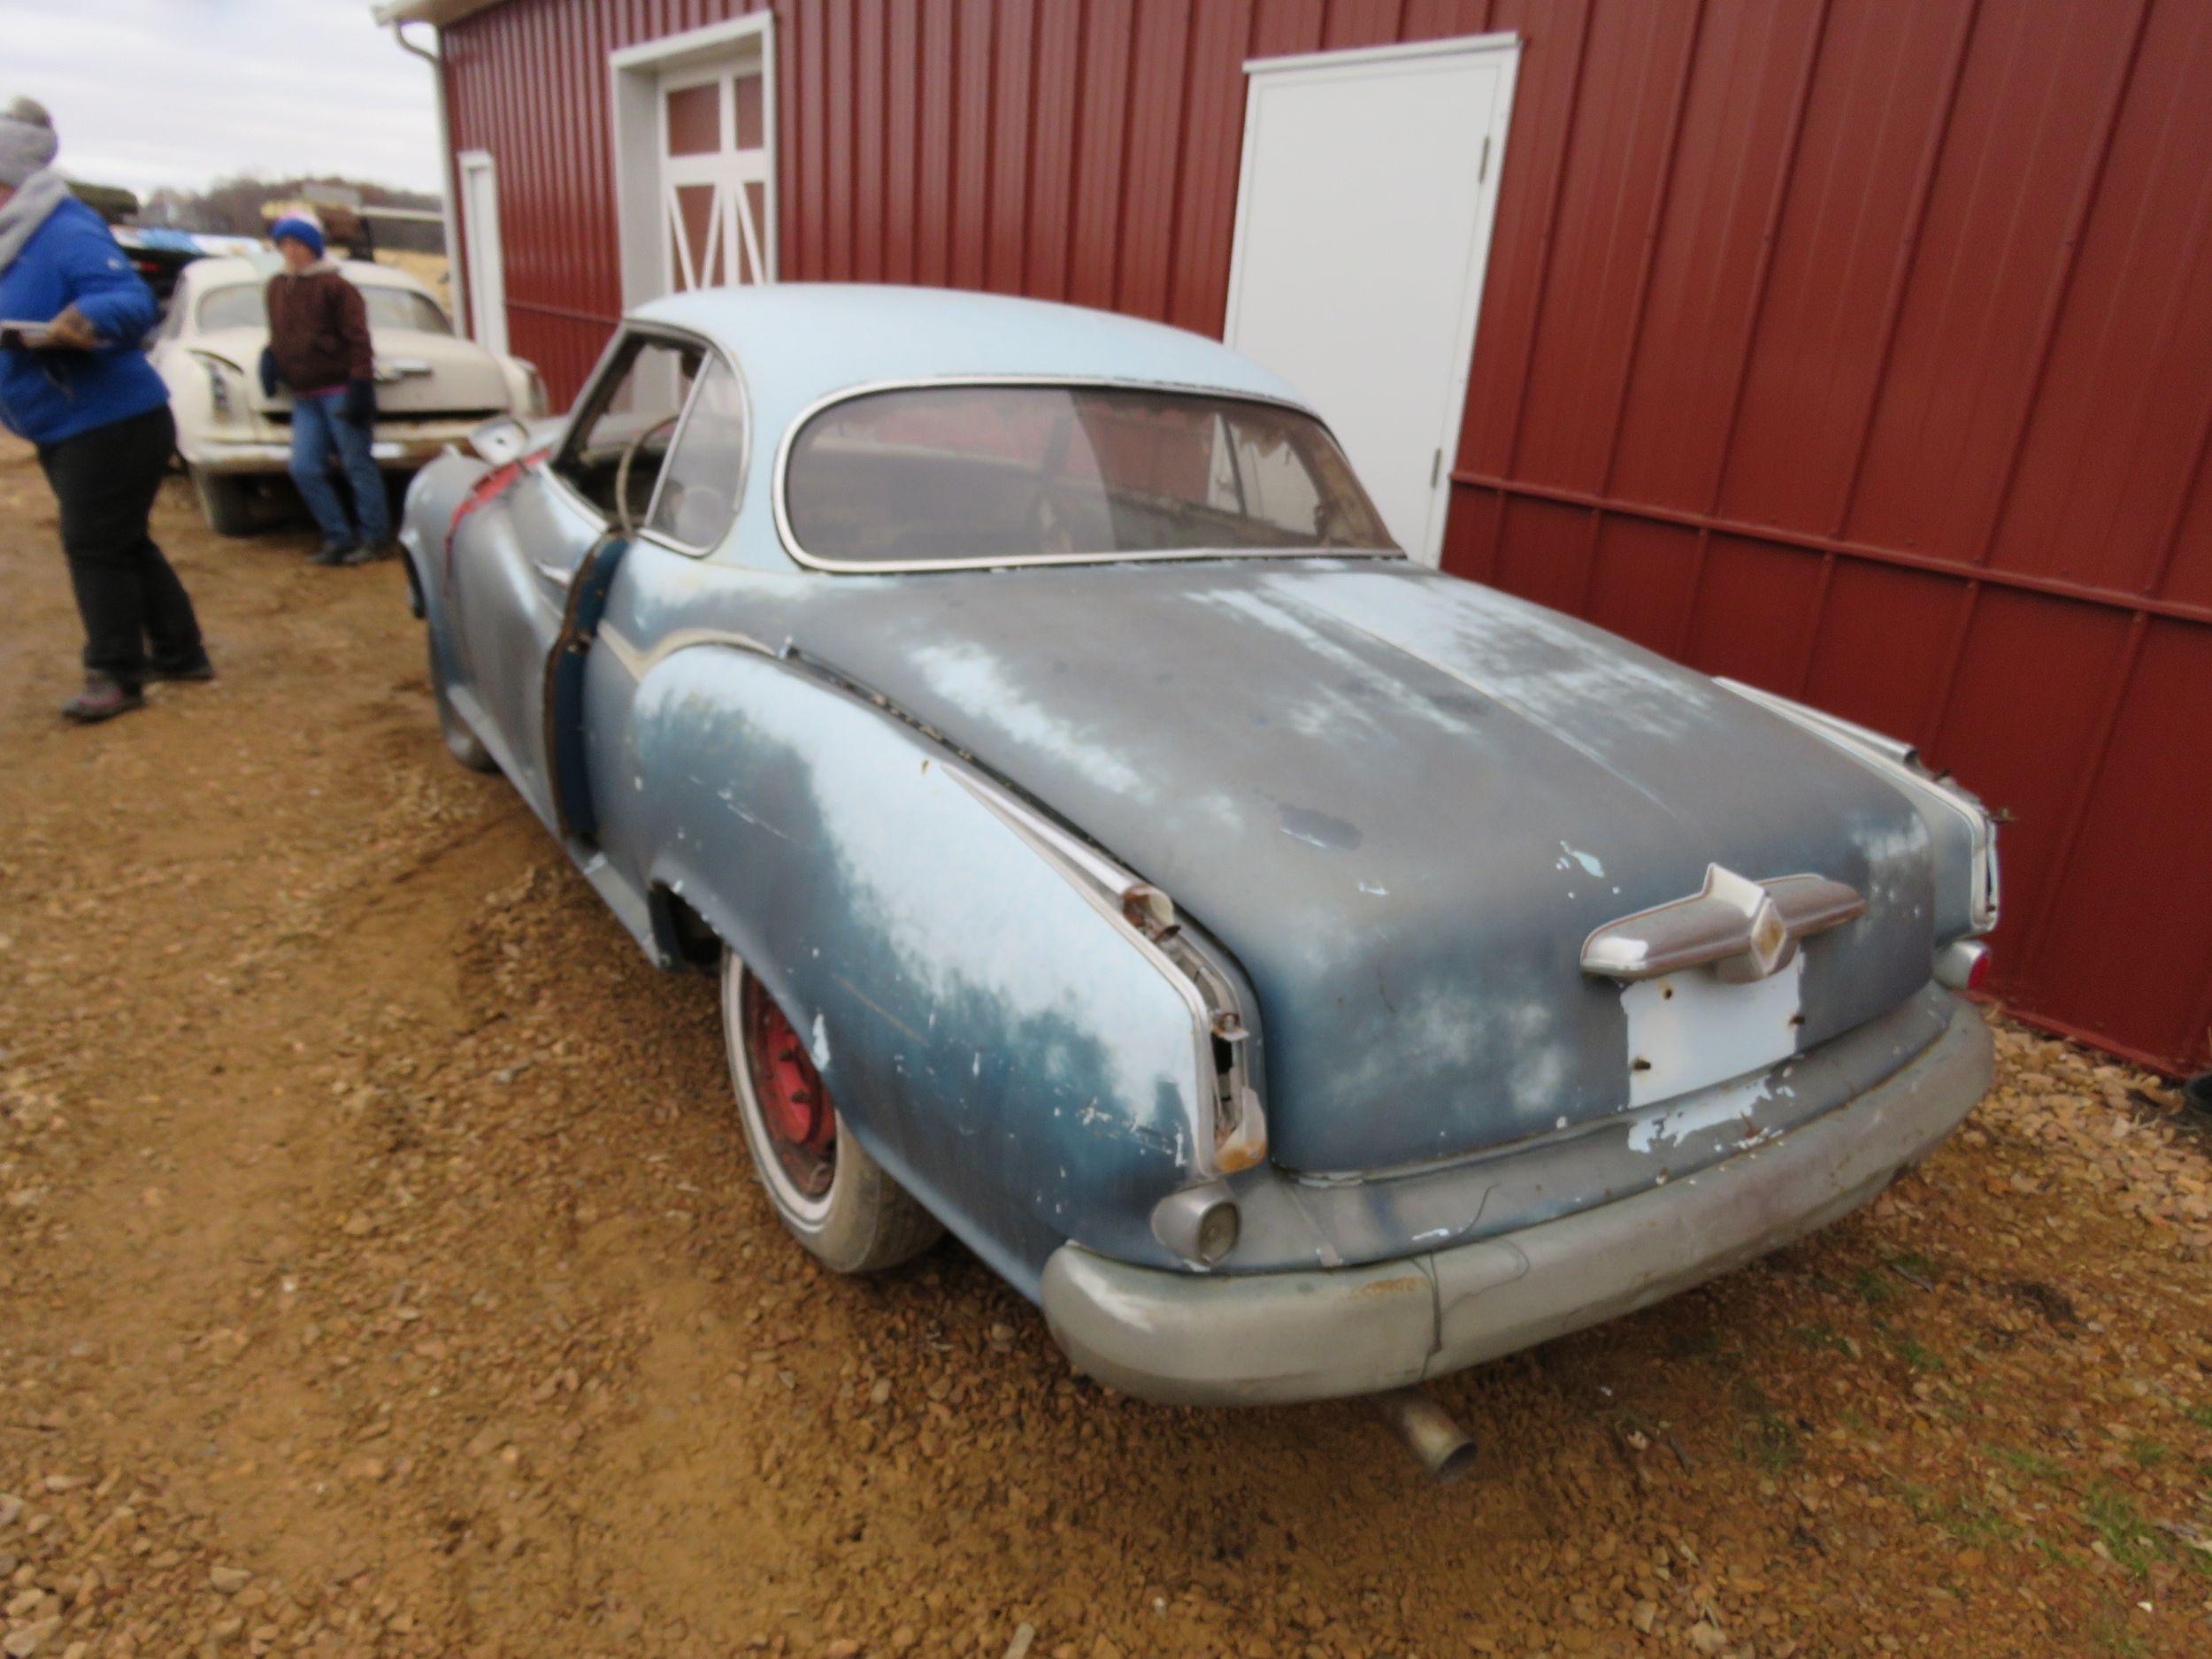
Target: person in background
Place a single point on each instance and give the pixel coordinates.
(318, 346)
(79, 388)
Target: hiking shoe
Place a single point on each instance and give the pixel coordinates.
(201, 669)
(103, 698)
(332, 554)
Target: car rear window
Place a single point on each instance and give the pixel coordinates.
(991, 474)
(237, 306)
(397, 308)
(240, 305)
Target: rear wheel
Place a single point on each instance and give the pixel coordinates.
(463, 744)
(228, 501)
(834, 1198)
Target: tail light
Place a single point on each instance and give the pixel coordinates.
(1962, 965)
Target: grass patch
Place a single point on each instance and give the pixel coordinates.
(1873, 1289)
(1823, 1337)
(1964, 1519)
(2148, 1454)
(2051, 1552)
(2111, 1635)
(1916, 1354)
(2114, 1517)
(1912, 1264)
(2199, 1415)
(1771, 1440)
(2031, 1463)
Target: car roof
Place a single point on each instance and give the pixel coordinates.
(798, 342)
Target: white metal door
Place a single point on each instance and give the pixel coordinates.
(714, 167)
(487, 261)
(1363, 218)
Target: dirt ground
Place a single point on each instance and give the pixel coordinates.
(381, 1272)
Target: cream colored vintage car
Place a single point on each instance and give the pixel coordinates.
(433, 386)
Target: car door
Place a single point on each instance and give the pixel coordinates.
(517, 556)
(667, 571)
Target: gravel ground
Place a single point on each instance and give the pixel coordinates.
(380, 1273)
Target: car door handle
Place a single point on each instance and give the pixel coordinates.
(557, 576)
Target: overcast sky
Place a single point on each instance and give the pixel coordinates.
(151, 92)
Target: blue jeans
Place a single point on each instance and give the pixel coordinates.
(318, 427)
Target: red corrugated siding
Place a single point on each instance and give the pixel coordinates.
(1861, 351)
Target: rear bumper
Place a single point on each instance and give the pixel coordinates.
(1260, 1338)
(393, 451)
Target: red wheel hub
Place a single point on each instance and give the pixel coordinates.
(794, 1107)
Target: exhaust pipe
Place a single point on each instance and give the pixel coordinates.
(1428, 1432)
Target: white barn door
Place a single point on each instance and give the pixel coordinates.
(714, 177)
(694, 158)
(1364, 210)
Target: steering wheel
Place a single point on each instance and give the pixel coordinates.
(1049, 516)
(622, 471)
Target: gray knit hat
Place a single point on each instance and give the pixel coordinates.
(26, 141)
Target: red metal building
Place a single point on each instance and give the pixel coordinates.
(1858, 350)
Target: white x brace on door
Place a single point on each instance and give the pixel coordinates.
(714, 177)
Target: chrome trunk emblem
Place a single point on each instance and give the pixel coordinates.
(1742, 929)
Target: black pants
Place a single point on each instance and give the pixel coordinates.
(105, 480)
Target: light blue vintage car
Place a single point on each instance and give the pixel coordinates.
(1302, 972)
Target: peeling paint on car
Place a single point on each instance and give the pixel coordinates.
(1664, 1131)
(1319, 829)
(1588, 861)
(1436, 1064)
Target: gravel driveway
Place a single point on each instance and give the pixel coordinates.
(380, 1273)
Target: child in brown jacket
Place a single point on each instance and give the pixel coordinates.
(318, 347)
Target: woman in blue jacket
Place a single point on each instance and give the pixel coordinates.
(79, 388)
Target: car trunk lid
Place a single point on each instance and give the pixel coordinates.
(1403, 802)
(419, 374)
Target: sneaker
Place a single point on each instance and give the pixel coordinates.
(362, 555)
(103, 698)
(200, 670)
(334, 553)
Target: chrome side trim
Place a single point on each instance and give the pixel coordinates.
(1742, 929)
(1228, 1127)
(869, 388)
(1228, 1124)
(1901, 764)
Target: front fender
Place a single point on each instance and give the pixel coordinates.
(999, 1044)
(426, 521)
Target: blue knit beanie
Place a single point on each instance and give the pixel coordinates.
(299, 230)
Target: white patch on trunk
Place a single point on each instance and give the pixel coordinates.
(1588, 861)
(1688, 1031)
(819, 1052)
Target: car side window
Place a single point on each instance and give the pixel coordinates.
(700, 484)
(632, 412)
